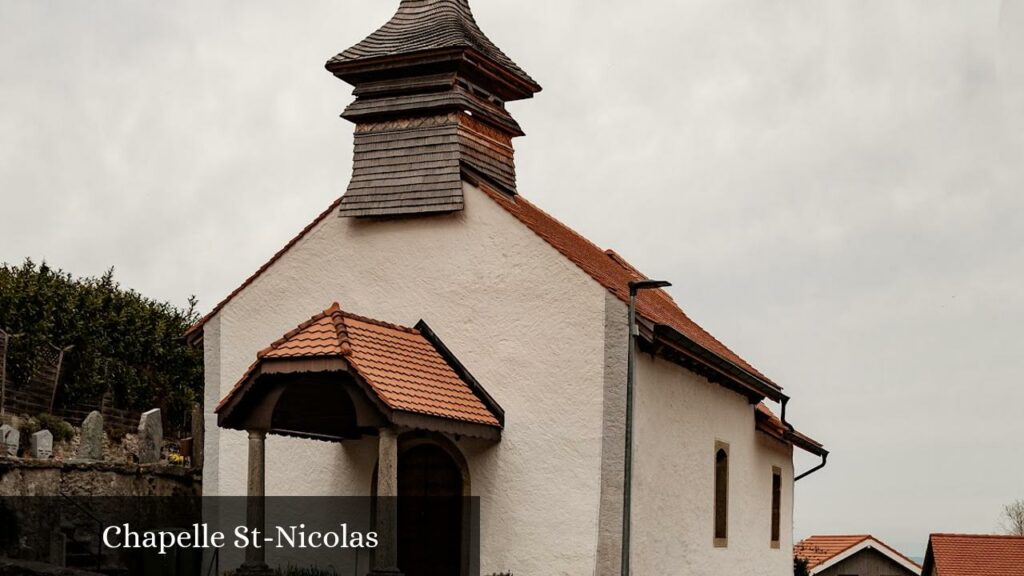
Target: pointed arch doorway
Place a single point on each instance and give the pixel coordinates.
(432, 481)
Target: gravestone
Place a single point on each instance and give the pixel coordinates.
(11, 438)
(90, 446)
(151, 437)
(40, 445)
(197, 435)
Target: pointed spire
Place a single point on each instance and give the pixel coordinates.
(425, 29)
(430, 111)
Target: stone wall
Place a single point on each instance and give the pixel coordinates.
(50, 478)
(52, 511)
(10, 567)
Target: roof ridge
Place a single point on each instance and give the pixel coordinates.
(338, 319)
(618, 259)
(381, 323)
(813, 536)
(816, 543)
(964, 535)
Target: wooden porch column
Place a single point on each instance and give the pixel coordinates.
(255, 509)
(385, 555)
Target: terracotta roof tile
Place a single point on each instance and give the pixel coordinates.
(817, 550)
(606, 267)
(766, 421)
(976, 555)
(402, 367)
(614, 273)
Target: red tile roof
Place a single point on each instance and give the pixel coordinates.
(607, 268)
(614, 273)
(402, 367)
(766, 421)
(975, 555)
(818, 550)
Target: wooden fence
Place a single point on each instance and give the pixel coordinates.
(114, 419)
(39, 394)
(4, 338)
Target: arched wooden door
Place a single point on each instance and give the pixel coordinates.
(430, 490)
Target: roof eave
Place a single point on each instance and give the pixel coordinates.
(805, 443)
(867, 543)
(753, 386)
(462, 372)
(514, 86)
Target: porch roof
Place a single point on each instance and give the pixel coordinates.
(406, 369)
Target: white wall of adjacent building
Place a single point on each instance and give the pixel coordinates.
(679, 419)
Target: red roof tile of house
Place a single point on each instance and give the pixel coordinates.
(403, 368)
(975, 555)
(817, 550)
(607, 268)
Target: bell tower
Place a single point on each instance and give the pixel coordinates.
(430, 92)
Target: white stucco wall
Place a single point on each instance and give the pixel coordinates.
(523, 319)
(679, 418)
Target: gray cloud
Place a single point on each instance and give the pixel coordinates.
(834, 188)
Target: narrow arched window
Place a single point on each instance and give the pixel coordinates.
(776, 505)
(721, 494)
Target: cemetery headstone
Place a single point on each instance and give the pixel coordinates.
(151, 437)
(91, 445)
(11, 438)
(40, 445)
(197, 435)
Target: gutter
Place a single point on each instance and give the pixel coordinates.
(824, 460)
(798, 440)
(680, 342)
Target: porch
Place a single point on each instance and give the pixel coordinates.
(343, 378)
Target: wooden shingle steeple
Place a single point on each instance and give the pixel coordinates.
(430, 111)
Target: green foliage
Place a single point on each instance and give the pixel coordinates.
(121, 340)
(61, 430)
(800, 567)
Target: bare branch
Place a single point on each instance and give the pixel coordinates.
(1013, 518)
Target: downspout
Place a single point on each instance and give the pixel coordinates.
(824, 460)
(824, 455)
(627, 483)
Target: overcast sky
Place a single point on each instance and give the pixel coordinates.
(836, 189)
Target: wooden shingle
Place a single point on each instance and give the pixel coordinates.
(429, 111)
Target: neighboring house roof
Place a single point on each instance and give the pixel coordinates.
(408, 369)
(822, 552)
(974, 555)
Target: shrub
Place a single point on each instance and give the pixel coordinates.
(61, 430)
(122, 341)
